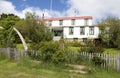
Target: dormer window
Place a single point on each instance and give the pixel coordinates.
(60, 22)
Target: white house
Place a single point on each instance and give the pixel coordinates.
(78, 27)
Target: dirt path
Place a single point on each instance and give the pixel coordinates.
(79, 69)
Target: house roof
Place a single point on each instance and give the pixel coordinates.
(69, 18)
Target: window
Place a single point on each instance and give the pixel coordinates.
(86, 21)
(82, 30)
(50, 22)
(57, 32)
(61, 22)
(91, 30)
(73, 22)
(70, 30)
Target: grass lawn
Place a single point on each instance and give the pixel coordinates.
(30, 69)
(106, 50)
(112, 50)
(74, 49)
(20, 46)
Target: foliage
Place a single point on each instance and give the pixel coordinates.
(109, 32)
(54, 53)
(7, 21)
(97, 61)
(92, 48)
(34, 29)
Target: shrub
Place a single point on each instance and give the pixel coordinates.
(92, 48)
(53, 52)
(97, 61)
(59, 57)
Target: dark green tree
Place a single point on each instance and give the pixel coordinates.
(7, 21)
(110, 32)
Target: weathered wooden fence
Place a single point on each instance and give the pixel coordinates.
(111, 61)
(13, 53)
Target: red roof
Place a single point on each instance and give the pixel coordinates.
(69, 18)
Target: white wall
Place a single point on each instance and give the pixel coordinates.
(76, 33)
(78, 22)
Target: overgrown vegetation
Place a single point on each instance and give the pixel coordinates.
(110, 32)
(7, 21)
(27, 68)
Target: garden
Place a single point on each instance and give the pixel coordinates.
(46, 58)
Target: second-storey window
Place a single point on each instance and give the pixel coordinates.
(60, 22)
(86, 22)
(82, 30)
(91, 30)
(71, 30)
(73, 22)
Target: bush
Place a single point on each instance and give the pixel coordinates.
(97, 61)
(53, 52)
(59, 57)
(92, 48)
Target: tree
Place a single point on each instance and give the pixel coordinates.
(7, 21)
(34, 29)
(110, 32)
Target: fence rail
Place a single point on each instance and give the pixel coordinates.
(111, 61)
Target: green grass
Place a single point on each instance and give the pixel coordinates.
(106, 50)
(112, 51)
(26, 68)
(20, 46)
(74, 49)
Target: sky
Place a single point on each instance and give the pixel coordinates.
(98, 9)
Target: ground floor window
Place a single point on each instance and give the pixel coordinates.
(58, 32)
(82, 30)
(91, 30)
(71, 30)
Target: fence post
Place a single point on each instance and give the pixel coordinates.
(118, 63)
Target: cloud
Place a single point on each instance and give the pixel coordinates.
(8, 7)
(96, 8)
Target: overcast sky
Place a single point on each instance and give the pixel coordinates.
(60, 8)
